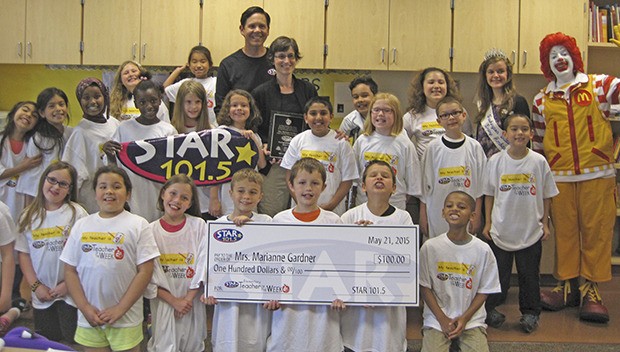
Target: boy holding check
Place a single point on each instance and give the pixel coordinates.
(306, 327)
(241, 326)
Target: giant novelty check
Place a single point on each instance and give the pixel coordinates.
(313, 264)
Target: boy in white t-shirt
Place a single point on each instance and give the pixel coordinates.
(241, 326)
(302, 327)
(452, 162)
(320, 143)
(363, 89)
(457, 273)
(518, 189)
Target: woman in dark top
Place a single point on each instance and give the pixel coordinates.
(283, 93)
(496, 99)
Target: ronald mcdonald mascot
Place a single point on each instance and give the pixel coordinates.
(572, 130)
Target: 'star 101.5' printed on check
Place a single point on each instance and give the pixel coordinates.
(313, 264)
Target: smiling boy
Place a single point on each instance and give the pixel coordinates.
(320, 143)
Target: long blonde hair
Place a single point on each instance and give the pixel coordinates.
(179, 115)
(394, 103)
(119, 93)
(35, 212)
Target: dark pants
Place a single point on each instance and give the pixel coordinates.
(528, 271)
(58, 322)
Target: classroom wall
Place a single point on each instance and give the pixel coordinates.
(25, 82)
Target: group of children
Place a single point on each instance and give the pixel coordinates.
(113, 257)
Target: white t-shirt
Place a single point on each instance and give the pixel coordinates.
(239, 327)
(106, 253)
(29, 180)
(300, 327)
(375, 328)
(209, 84)
(353, 120)
(8, 233)
(84, 151)
(8, 193)
(145, 192)
(447, 170)
(174, 270)
(422, 128)
(397, 151)
(130, 111)
(44, 244)
(225, 200)
(336, 156)
(455, 274)
(519, 188)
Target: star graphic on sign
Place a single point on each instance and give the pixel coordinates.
(245, 153)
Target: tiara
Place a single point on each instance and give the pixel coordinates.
(495, 53)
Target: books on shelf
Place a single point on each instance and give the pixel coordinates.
(602, 20)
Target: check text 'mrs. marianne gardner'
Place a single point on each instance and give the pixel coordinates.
(266, 257)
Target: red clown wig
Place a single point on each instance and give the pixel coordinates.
(569, 43)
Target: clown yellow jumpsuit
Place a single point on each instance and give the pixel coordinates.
(572, 129)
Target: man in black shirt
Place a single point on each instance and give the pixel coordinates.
(247, 67)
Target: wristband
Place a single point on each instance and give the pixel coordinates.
(35, 285)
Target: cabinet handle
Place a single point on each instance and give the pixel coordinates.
(524, 58)
(393, 55)
(514, 57)
(143, 51)
(133, 51)
(382, 55)
(29, 49)
(19, 49)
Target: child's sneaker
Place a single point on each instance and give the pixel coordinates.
(495, 319)
(529, 322)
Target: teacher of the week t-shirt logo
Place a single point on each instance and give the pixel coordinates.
(583, 97)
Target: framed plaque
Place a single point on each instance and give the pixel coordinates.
(283, 126)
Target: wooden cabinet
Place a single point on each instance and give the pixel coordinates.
(357, 35)
(288, 15)
(166, 40)
(101, 18)
(13, 29)
(220, 26)
(40, 31)
(481, 25)
(155, 33)
(516, 27)
(419, 34)
(539, 18)
(395, 35)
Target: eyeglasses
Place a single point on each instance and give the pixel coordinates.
(385, 110)
(284, 56)
(53, 181)
(447, 115)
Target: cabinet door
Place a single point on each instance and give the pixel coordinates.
(310, 37)
(13, 29)
(111, 31)
(357, 34)
(480, 25)
(539, 18)
(169, 30)
(419, 34)
(53, 31)
(220, 26)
